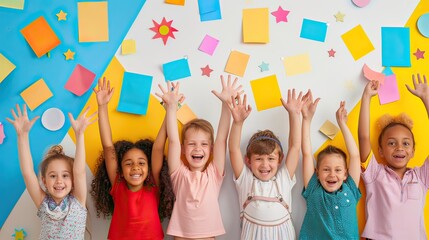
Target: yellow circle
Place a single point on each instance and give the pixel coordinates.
(163, 30)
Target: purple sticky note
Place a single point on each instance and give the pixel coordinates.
(208, 45)
(388, 92)
(2, 136)
(80, 81)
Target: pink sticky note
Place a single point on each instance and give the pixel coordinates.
(80, 80)
(388, 92)
(2, 136)
(208, 45)
(372, 75)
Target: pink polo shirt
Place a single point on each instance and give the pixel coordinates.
(394, 206)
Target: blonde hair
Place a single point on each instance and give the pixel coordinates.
(388, 121)
(198, 124)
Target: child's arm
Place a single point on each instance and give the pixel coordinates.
(104, 94)
(240, 111)
(308, 110)
(421, 90)
(293, 105)
(79, 174)
(22, 126)
(364, 118)
(219, 148)
(354, 163)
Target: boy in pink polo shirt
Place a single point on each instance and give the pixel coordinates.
(395, 194)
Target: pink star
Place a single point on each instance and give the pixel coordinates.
(419, 54)
(206, 71)
(331, 53)
(280, 14)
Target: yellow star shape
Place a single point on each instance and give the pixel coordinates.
(62, 16)
(69, 55)
(339, 16)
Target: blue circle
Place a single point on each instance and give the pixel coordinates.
(423, 24)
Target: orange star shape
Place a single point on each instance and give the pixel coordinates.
(62, 16)
(69, 54)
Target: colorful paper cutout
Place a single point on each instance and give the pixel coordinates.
(237, 63)
(329, 129)
(93, 21)
(185, 114)
(297, 64)
(176, 2)
(2, 135)
(128, 46)
(357, 42)
(387, 71)
(135, 93)
(256, 25)
(313, 30)
(163, 30)
(206, 71)
(395, 46)
(419, 54)
(331, 53)
(69, 55)
(40, 36)
(208, 45)
(209, 10)
(423, 24)
(280, 14)
(264, 66)
(372, 75)
(176, 69)
(80, 80)
(19, 234)
(62, 16)
(6, 67)
(15, 4)
(36, 94)
(53, 119)
(388, 92)
(339, 17)
(266, 92)
(361, 3)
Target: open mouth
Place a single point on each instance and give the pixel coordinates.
(135, 176)
(264, 172)
(331, 182)
(197, 157)
(59, 188)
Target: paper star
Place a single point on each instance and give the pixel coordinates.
(264, 66)
(339, 17)
(206, 71)
(163, 30)
(69, 54)
(19, 234)
(419, 54)
(62, 16)
(280, 14)
(331, 53)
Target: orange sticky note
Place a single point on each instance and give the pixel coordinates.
(36, 94)
(297, 64)
(40, 36)
(93, 22)
(6, 67)
(266, 92)
(357, 42)
(237, 63)
(176, 2)
(256, 25)
(185, 114)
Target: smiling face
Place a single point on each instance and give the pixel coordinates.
(58, 179)
(197, 148)
(135, 168)
(331, 171)
(264, 166)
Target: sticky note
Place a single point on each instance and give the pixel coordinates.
(36, 94)
(176, 69)
(176, 2)
(313, 30)
(388, 92)
(185, 114)
(266, 92)
(256, 25)
(329, 129)
(128, 46)
(15, 4)
(6, 67)
(80, 80)
(40, 36)
(93, 21)
(135, 93)
(372, 75)
(297, 64)
(395, 46)
(209, 10)
(2, 135)
(357, 42)
(208, 45)
(237, 63)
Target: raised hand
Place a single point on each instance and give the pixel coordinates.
(294, 103)
(21, 122)
(228, 90)
(79, 125)
(103, 92)
(341, 114)
(421, 88)
(371, 88)
(309, 106)
(171, 96)
(239, 108)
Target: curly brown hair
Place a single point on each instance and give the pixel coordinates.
(101, 186)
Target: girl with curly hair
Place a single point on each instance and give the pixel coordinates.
(130, 180)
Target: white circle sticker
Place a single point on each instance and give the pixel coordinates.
(53, 119)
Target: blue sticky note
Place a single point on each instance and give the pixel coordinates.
(135, 93)
(313, 30)
(176, 69)
(387, 71)
(395, 46)
(209, 10)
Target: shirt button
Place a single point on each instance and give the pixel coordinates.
(347, 200)
(336, 207)
(345, 194)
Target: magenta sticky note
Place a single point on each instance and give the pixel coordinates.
(2, 136)
(208, 45)
(80, 80)
(388, 92)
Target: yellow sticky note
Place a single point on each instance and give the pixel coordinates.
(36, 94)
(237, 63)
(256, 25)
(176, 2)
(15, 4)
(185, 114)
(6, 67)
(40, 36)
(266, 92)
(93, 22)
(128, 46)
(357, 42)
(297, 64)
(329, 129)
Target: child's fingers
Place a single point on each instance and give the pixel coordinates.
(13, 114)
(10, 120)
